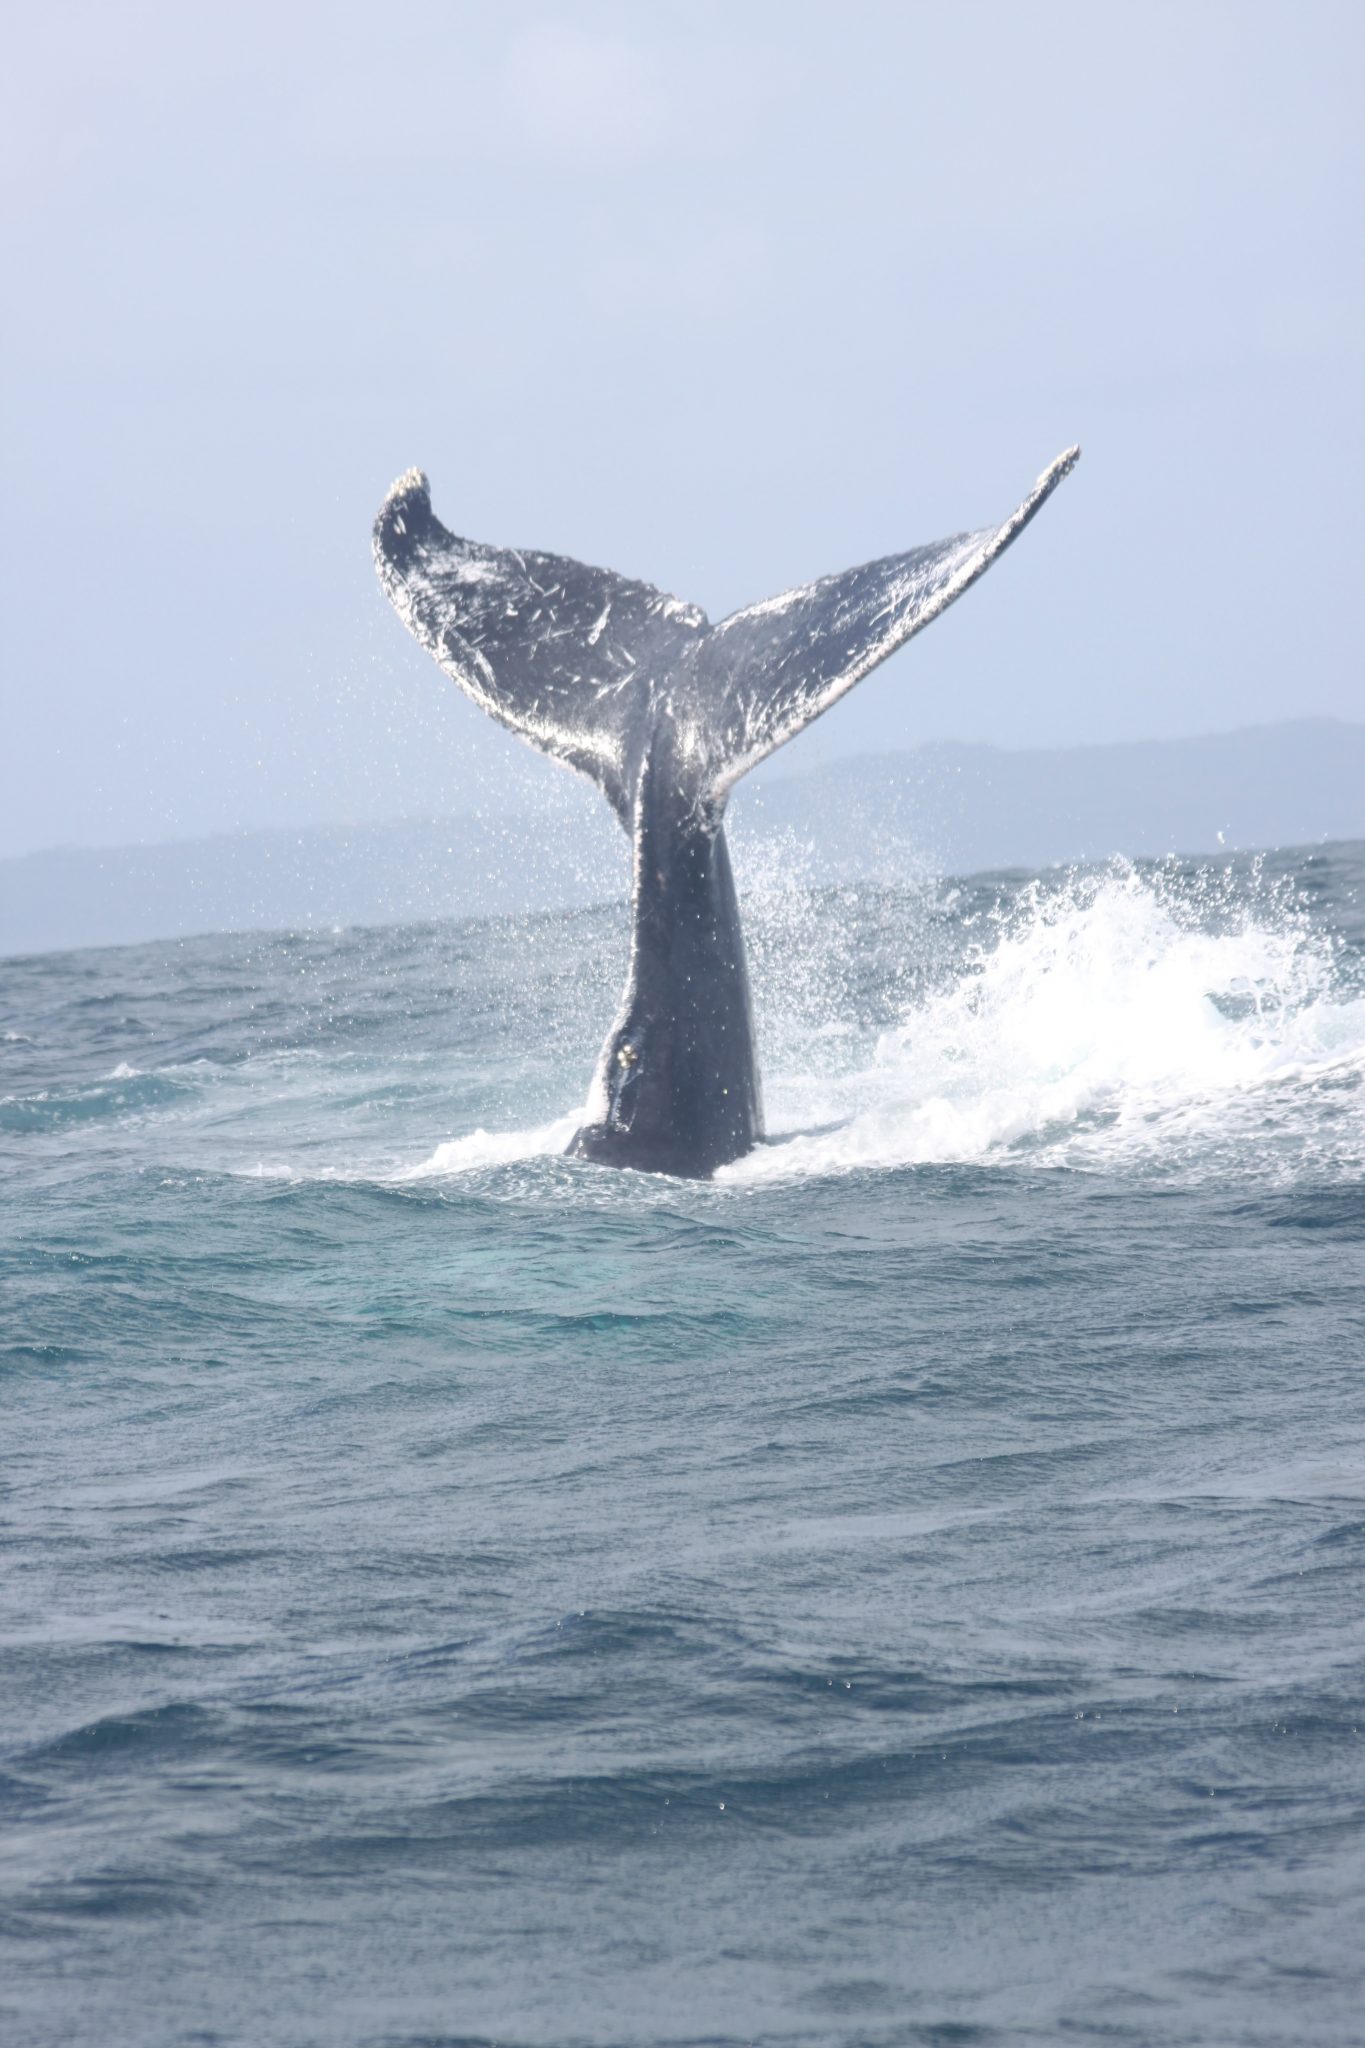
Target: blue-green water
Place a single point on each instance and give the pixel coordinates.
(909, 1590)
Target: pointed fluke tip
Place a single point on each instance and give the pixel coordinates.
(1047, 484)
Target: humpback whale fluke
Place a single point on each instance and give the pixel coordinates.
(665, 712)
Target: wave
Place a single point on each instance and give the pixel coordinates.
(125, 1094)
(1104, 1017)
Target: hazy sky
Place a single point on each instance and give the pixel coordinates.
(723, 296)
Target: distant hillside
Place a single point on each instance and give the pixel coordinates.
(970, 808)
(946, 808)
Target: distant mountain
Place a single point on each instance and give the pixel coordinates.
(969, 808)
(943, 808)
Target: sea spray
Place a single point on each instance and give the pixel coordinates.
(1091, 1018)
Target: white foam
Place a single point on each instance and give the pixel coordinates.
(495, 1148)
(1092, 1022)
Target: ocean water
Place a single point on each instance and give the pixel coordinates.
(909, 1590)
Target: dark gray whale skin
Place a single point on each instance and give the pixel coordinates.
(664, 712)
(677, 1088)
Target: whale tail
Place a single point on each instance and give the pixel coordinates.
(587, 665)
(665, 712)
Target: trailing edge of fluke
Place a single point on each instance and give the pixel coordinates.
(664, 712)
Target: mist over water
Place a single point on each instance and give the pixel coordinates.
(905, 1590)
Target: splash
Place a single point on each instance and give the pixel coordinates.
(494, 1148)
(1103, 1018)
(1167, 1021)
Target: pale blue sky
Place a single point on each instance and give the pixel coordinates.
(724, 296)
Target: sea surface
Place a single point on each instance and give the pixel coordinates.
(909, 1590)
